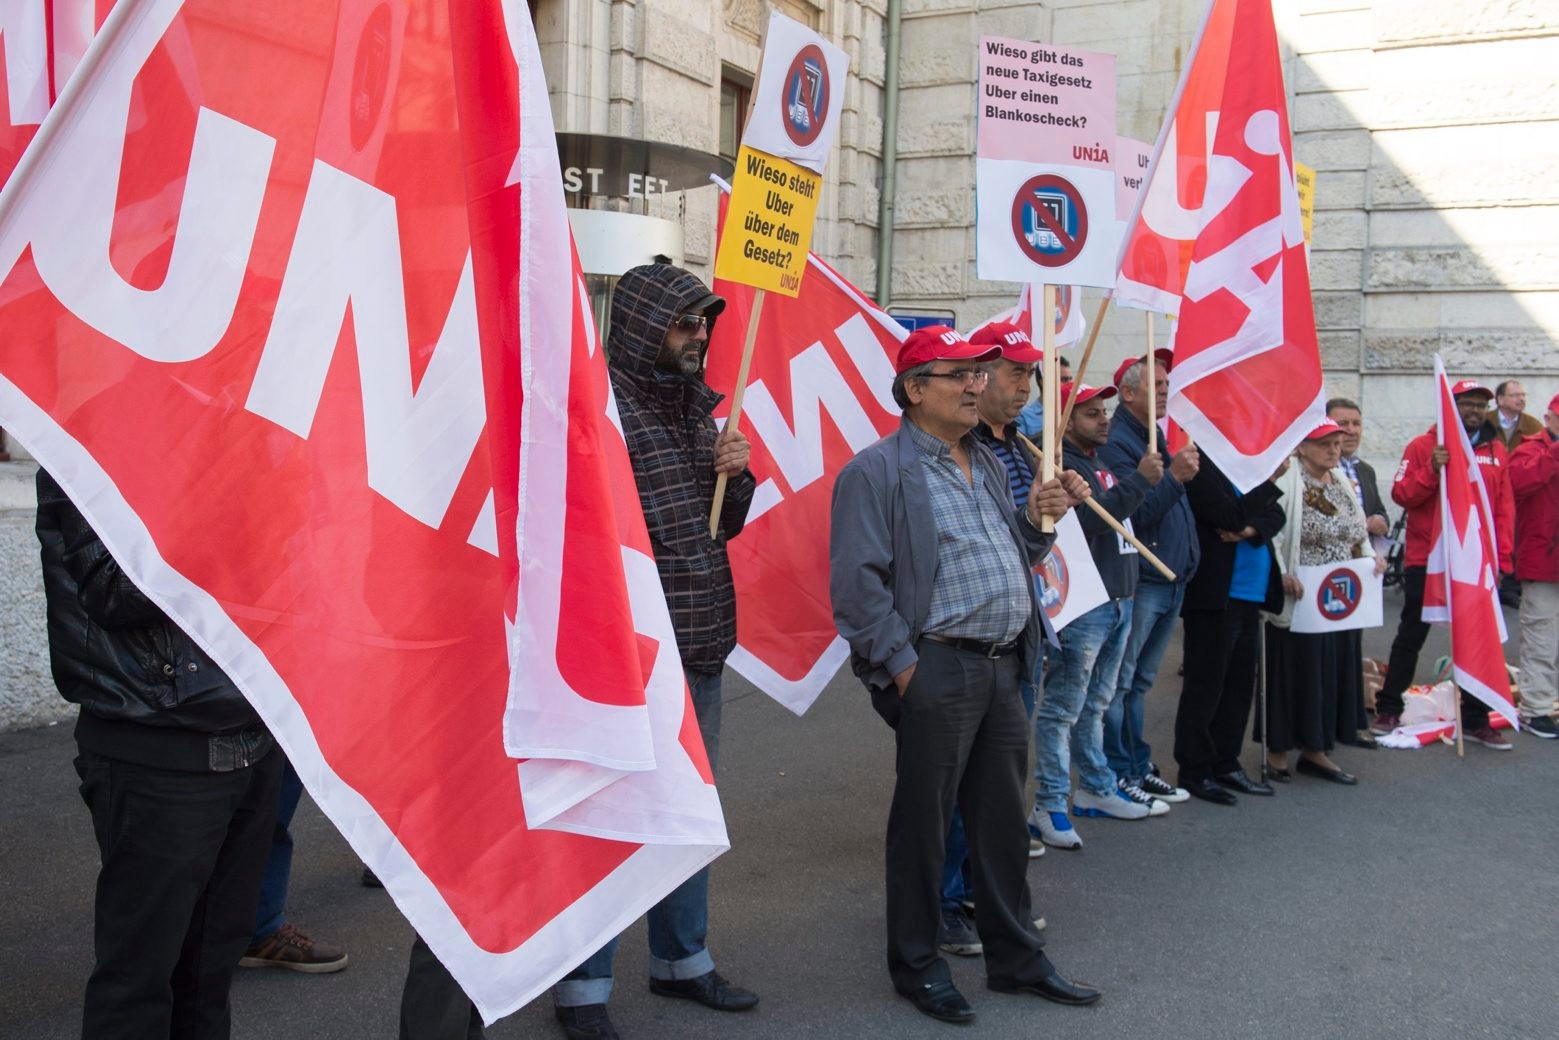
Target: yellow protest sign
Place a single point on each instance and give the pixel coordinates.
(768, 223)
(1304, 180)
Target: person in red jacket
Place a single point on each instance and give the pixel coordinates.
(1416, 488)
(1534, 480)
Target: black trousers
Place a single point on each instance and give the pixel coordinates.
(1220, 682)
(433, 1006)
(962, 739)
(1412, 630)
(182, 856)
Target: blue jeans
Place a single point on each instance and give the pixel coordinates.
(1155, 612)
(271, 913)
(1079, 685)
(679, 923)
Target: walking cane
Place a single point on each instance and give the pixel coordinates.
(1261, 686)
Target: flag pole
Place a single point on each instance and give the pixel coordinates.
(1149, 363)
(1082, 366)
(1049, 392)
(1104, 514)
(736, 404)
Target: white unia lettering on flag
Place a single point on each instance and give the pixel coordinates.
(1461, 586)
(1246, 384)
(274, 344)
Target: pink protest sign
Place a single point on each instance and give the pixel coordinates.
(1045, 179)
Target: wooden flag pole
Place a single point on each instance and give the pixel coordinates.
(1048, 390)
(1150, 366)
(1082, 367)
(1104, 514)
(736, 403)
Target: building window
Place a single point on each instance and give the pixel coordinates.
(735, 95)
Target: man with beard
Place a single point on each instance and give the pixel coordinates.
(1416, 488)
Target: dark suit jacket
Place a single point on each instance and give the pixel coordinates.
(1218, 507)
(1374, 505)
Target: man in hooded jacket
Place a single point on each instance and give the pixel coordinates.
(661, 319)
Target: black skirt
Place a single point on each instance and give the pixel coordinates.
(1315, 689)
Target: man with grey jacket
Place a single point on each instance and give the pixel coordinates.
(930, 568)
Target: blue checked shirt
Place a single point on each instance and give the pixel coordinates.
(981, 585)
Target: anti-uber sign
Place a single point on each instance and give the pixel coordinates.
(779, 168)
(1045, 181)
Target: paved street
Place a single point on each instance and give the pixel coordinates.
(1420, 904)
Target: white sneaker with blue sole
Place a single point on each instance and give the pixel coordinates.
(1054, 829)
(1114, 806)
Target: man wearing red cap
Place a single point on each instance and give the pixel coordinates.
(1534, 479)
(929, 573)
(1416, 488)
(1082, 674)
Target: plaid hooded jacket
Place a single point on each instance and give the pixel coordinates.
(671, 440)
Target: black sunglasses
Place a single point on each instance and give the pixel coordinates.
(689, 322)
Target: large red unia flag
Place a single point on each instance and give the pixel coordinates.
(1461, 588)
(1219, 241)
(286, 305)
(820, 391)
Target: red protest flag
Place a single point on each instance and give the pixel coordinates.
(286, 307)
(1247, 381)
(1461, 588)
(820, 391)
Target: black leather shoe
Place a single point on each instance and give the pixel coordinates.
(1208, 791)
(1054, 987)
(1242, 783)
(942, 1001)
(709, 989)
(586, 1022)
(1282, 776)
(1336, 776)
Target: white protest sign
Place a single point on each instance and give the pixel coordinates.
(1338, 597)
(1044, 178)
(1072, 586)
(800, 92)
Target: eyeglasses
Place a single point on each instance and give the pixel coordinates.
(971, 378)
(689, 322)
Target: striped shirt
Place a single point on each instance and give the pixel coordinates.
(1020, 471)
(981, 586)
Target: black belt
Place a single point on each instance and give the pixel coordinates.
(974, 646)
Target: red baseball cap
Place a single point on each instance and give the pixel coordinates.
(1553, 406)
(1472, 386)
(1084, 392)
(1014, 342)
(1326, 429)
(940, 343)
(1164, 357)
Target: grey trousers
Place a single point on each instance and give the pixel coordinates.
(962, 738)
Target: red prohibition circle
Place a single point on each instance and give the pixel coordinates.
(796, 86)
(1058, 581)
(1346, 589)
(1025, 196)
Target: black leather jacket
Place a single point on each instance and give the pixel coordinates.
(147, 692)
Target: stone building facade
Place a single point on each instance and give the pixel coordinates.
(1433, 125)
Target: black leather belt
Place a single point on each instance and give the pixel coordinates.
(974, 646)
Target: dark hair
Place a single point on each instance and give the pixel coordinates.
(1063, 361)
(899, 396)
(1499, 391)
(1342, 402)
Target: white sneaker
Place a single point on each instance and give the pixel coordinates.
(1156, 807)
(1036, 847)
(1053, 828)
(1158, 787)
(1114, 805)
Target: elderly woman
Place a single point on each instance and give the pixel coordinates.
(1314, 695)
